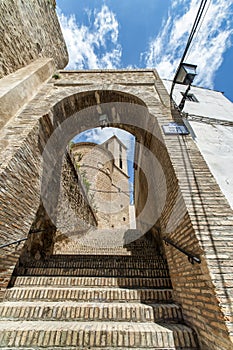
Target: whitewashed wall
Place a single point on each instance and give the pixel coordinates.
(213, 136)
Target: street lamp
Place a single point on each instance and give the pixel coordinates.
(185, 75)
(103, 120)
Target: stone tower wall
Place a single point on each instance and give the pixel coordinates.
(96, 166)
(93, 161)
(120, 200)
(29, 30)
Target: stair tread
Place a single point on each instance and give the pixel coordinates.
(129, 265)
(72, 279)
(25, 304)
(89, 294)
(90, 311)
(90, 272)
(110, 257)
(96, 348)
(94, 325)
(103, 238)
(95, 334)
(97, 299)
(84, 250)
(172, 331)
(99, 289)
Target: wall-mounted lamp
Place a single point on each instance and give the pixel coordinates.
(103, 120)
(186, 74)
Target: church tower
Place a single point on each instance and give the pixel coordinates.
(119, 151)
(104, 169)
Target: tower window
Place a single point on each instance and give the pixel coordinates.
(120, 162)
(120, 156)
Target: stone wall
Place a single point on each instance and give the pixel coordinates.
(18, 88)
(120, 199)
(41, 238)
(74, 214)
(29, 30)
(19, 197)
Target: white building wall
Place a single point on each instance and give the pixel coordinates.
(211, 121)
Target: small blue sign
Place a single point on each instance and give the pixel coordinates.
(175, 129)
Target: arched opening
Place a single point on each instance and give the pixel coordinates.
(120, 144)
(95, 155)
(78, 113)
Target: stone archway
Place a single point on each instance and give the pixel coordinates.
(23, 167)
(126, 114)
(125, 110)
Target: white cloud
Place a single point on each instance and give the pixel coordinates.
(94, 46)
(209, 45)
(106, 25)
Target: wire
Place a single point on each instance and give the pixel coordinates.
(194, 28)
(192, 33)
(201, 23)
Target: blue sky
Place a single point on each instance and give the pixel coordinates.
(148, 33)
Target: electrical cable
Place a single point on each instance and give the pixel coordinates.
(196, 23)
(194, 28)
(192, 33)
(200, 26)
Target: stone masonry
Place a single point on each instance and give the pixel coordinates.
(29, 30)
(106, 182)
(191, 209)
(182, 199)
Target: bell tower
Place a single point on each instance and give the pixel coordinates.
(119, 151)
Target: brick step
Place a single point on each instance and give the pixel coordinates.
(103, 236)
(140, 243)
(95, 251)
(120, 251)
(93, 282)
(98, 263)
(85, 348)
(94, 245)
(96, 348)
(81, 335)
(81, 311)
(89, 294)
(103, 245)
(115, 257)
(74, 246)
(110, 272)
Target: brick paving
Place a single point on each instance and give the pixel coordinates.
(94, 301)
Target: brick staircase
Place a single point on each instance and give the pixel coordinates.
(94, 300)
